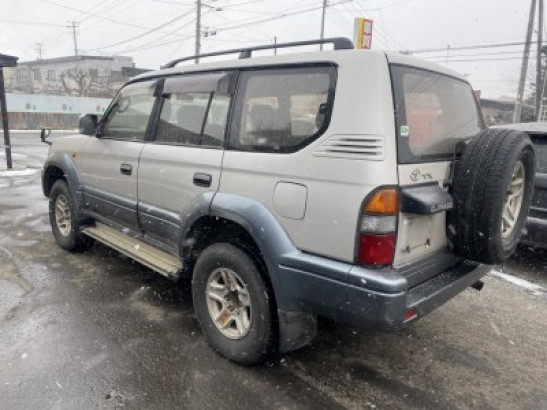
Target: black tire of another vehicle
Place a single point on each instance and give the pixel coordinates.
(485, 182)
(227, 285)
(63, 219)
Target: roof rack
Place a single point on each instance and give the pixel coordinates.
(339, 43)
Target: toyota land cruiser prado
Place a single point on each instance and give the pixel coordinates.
(357, 185)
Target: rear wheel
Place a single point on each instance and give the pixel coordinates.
(492, 192)
(232, 304)
(62, 216)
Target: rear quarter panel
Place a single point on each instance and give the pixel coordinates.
(335, 185)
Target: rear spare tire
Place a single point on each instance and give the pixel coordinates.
(492, 191)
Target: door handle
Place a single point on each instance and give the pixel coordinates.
(126, 169)
(201, 179)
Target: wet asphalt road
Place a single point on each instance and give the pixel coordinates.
(95, 330)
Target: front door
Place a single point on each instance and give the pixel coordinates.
(109, 162)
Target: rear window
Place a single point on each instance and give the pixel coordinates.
(434, 113)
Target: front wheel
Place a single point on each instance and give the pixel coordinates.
(62, 217)
(232, 304)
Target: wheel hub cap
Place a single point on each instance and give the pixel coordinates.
(513, 200)
(62, 215)
(228, 303)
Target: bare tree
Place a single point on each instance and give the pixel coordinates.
(86, 83)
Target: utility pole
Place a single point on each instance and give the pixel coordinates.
(39, 50)
(4, 116)
(72, 25)
(198, 29)
(5, 61)
(324, 10)
(539, 68)
(275, 43)
(524, 67)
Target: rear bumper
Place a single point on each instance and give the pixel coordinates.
(387, 310)
(370, 298)
(535, 232)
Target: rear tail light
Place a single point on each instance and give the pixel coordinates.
(377, 229)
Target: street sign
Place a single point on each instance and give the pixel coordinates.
(362, 33)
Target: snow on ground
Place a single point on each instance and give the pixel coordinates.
(529, 286)
(18, 172)
(38, 131)
(13, 154)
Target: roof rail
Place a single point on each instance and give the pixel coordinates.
(339, 43)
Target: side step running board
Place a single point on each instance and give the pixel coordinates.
(157, 260)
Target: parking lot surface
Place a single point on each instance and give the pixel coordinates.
(96, 330)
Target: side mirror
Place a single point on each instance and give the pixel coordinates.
(44, 134)
(87, 124)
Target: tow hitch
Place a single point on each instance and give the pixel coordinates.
(478, 285)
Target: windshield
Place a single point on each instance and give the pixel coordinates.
(434, 113)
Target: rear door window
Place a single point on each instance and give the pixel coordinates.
(194, 109)
(434, 113)
(282, 110)
(193, 119)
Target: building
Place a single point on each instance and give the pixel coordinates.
(500, 111)
(80, 76)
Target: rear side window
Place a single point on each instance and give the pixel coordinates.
(434, 113)
(540, 145)
(193, 118)
(282, 110)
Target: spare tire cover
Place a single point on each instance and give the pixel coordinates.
(492, 190)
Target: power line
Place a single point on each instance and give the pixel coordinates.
(150, 31)
(387, 39)
(250, 22)
(475, 55)
(97, 8)
(141, 48)
(482, 59)
(470, 47)
(30, 23)
(283, 15)
(97, 15)
(232, 27)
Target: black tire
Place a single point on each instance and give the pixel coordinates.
(481, 184)
(256, 344)
(67, 237)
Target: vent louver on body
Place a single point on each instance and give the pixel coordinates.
(366, 147)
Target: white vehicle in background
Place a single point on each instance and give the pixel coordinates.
(357, 185)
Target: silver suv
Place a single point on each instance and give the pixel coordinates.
(357, 185)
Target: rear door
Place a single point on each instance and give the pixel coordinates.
(182, 161)
(434, 114)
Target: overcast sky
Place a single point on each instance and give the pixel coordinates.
(155, 31)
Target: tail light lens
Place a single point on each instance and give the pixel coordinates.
(377, 229)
